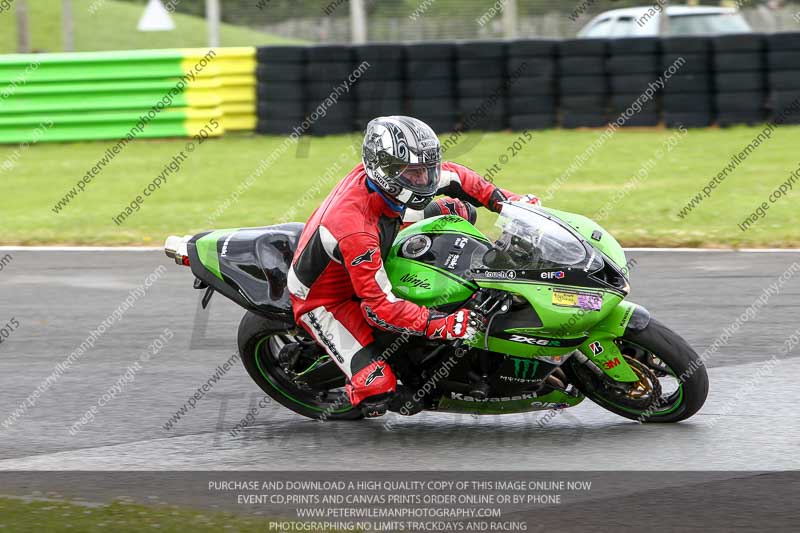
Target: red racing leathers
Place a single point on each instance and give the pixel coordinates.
(339, 288)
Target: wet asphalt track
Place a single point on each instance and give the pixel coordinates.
(58, 297)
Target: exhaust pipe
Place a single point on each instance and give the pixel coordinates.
(176, 248)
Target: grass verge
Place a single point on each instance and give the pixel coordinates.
(111, 25)
(200, 195)
(34, 516)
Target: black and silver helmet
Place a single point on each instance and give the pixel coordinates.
(403, 158)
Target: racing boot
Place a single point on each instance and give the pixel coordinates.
(372, 388)
(406, 401)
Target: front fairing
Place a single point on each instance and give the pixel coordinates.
(427, 257)
(544, 245)
(562, 285)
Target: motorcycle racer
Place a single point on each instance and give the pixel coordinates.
(338, 286)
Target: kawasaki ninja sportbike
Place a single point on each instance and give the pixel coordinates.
(552, 287)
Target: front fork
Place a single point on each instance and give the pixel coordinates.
(601, 354)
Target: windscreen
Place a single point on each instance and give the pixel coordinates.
(529, 239)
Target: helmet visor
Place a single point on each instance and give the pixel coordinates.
(422, 178)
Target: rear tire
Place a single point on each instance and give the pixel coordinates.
(676, 354)
(260, 363)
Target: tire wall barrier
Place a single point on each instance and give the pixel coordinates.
(104, 95)
(721, 80)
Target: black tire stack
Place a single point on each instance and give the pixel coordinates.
(783, 61)
(379, 90)
(280, 74)
(633, 66)
(688, 98)
(740, 96)
(480, 86)
(532, 96)
(531, 84)
(429, 85)
(328, 67)
(583, 83)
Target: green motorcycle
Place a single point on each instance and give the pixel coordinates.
(552, 286)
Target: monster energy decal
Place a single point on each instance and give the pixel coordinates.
(524, 371)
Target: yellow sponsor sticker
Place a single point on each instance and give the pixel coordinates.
(583, 300)
(566, 299)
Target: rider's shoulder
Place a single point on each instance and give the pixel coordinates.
(349, 215)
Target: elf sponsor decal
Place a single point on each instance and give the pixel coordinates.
(552, 275)
(413, 279)
(589, 301)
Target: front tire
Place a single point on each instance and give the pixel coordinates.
(669, 357)
(259, 339)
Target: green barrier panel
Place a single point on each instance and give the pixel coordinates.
(160, 86)
(37, 68)
(125, 95)
(97, 126)
(155, 86)
(171, 115)
(125, 65)
(99, 71)
(99, 95)
(97, 102)
(91, 132)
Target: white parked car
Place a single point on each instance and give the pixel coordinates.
(683, 20)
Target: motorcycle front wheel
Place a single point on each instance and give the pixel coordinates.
(673, 381)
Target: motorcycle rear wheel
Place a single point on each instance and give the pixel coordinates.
(260, 341)
(667, 355)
